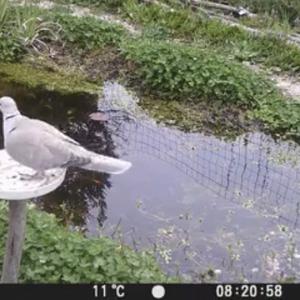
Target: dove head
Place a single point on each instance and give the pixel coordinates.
(8, 106)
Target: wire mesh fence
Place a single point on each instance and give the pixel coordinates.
(253, 170)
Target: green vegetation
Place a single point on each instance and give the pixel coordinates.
(193, 76)
(206, 117)
(32, 29)
(188, 68)
(53, 81)
(54, 255)
(215, 35)
(10, 49)
(88, 33)
(160, 23)
(3, 12)
(105, 4)
(281, 117)
(179, 23)
(280, 9)
(23, 29)
(275, 11)
(203, 65)
(182, 72)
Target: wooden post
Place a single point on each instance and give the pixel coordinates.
(14, 242)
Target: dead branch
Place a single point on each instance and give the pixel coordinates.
(220, 6)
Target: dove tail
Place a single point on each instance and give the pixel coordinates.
(101, 163)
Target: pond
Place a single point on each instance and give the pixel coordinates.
(210, 208)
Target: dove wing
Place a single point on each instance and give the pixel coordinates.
(40, 146)
(52, 130)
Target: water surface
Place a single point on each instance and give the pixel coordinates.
(199, 202)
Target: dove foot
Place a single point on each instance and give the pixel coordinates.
(35, 176)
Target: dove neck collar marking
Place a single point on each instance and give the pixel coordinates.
(12, 129)
(11, 116)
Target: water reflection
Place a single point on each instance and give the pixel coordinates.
(80, 190)
(253, 166)
(199, 200)
(207, 201)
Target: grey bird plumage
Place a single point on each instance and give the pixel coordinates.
(40, 146)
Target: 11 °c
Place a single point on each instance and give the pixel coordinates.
(104, 290)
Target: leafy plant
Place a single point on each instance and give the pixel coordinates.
(179, 21)
(176, 71)
(10, 49)
(280, 117)
(87, 32)
(34, 31)
(54, 255)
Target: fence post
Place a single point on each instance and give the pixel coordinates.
(14, 242)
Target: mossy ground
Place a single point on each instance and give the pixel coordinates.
(224, 121)
(33, 77)
(179, 56)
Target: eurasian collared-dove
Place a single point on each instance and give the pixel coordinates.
(40, 146)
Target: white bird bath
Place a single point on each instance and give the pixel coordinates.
(17, 190)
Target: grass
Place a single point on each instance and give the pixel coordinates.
(283, 10)
(33, 30)
(24, 30)
(185, 24)
(3, 12)
(203, 64)
(179, 23)
(28, 28)
(266, 22)
(182, 23)
(107, 5)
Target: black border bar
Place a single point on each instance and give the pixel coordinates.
(144, 291)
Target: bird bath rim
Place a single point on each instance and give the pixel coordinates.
(13, 187)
